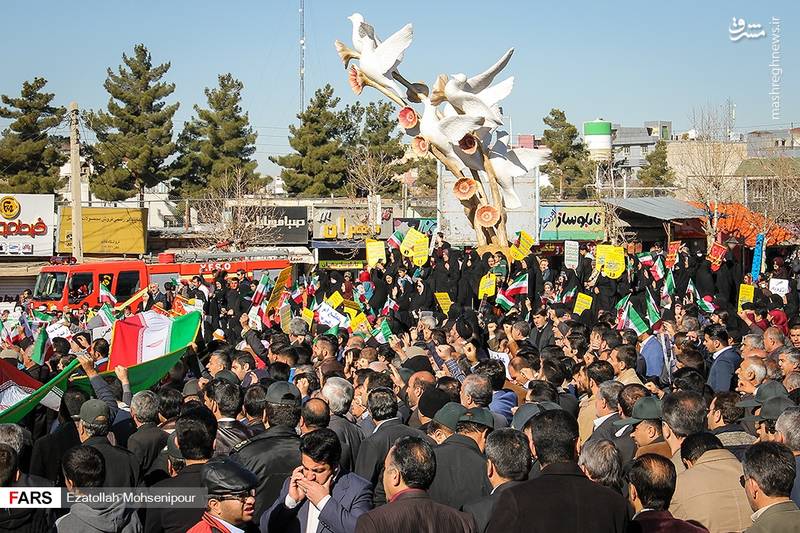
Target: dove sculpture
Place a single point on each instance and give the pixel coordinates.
(378, 60)
(443, 133)
(512, 163)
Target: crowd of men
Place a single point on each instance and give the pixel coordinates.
(483, 418)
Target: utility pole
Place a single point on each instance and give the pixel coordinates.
(302, 56)
(75, 183)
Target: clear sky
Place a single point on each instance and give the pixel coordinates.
(625, 61)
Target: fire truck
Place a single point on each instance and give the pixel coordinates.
(73, 285)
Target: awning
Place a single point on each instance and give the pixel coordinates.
(662, 208)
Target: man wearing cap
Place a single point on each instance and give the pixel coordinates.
(273, 454)
(767, 416)
(460, 464)
(189, 448)
(123, 468)
(429, 404)
(445, 422)
(646, 422)
(751, 403)
(319, 495)
(231, 497)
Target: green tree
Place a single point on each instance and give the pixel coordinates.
(135, 134)
(319, 165)
(217, 141)
(29, 157)
(657, 173)
(569, 163)
(381, 138)
(427, 174)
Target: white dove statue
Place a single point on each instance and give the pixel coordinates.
(512, 163)
(378, 61)
(443, 133)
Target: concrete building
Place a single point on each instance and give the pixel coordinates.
(632, 144)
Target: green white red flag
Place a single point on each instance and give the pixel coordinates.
(149, 335)
(105, 295)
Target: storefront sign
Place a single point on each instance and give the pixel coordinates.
(579, 223)
(350, 223)
(285, 224)
(106, 230)
(26, 224)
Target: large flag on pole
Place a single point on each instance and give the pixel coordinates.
(105, 295)
(518, 286)
(146, 336)
(261, 290)
(141, 376)
(42, 348)
(20, 393)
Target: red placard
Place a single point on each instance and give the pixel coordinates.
(716, 254)
(672, 254)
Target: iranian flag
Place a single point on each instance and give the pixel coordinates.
(382, 333)
(504, 301)
(298, 292)
(669, 283)
(390, 305)
(620, 309)
(105, 295)
(149, 335)
(653, 314)
(103, 317)
(518, 286)
(261, 290)
(702, 303)
(12, 332)
(569, 295)
(20, 393)
(657, 270)
(633, 321)
(646, 259)
(396, 239)
(42, 348)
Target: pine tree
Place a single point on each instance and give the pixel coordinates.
(319, 166)
(135, 134)
(657, 173)
(569, 163)
(381, 137)
(219, 140)
(29, 156)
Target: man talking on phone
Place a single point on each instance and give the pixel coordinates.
(319, 495)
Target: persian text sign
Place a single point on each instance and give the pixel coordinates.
(106, 230)
(579, 223)
(26, 224)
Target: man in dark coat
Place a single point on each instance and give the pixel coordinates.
(460, 464)
(274, 454)
(508, 462)
(123, 468)
(382, 404)
(408, 471)
(48, 450)
(338, 392)
(724, 359)
(188, 449)
(149, 439)
(607, 406)
(562, 498)
(319, 496)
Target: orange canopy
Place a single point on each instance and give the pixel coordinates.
(744, 225)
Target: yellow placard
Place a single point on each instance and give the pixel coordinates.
(615, 262)
(280, 286)
(308, 316)
(410, 241)
(106, 230)
(525, 242)
(419, 255)
(516, 254)
(444, 301)
(746, 294)
(335, 299)
(285, 312)
(358, 320)
(350, 304)
(351, 312)
(488, 285)
(582, 303)
(376, 251)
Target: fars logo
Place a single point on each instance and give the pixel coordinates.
(30, 497)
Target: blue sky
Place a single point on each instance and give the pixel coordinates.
(624, 61)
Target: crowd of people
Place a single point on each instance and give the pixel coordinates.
(502, 412)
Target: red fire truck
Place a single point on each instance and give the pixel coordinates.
(75, 284)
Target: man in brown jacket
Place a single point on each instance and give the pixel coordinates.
(646, 422)
(408, 471)
(708, 492)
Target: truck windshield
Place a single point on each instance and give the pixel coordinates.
(50, 286)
